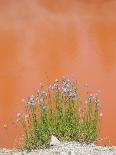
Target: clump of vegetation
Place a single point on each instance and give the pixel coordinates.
(58, 110)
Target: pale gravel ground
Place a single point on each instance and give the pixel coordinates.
(67, 148)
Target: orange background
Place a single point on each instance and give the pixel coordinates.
(56, 37)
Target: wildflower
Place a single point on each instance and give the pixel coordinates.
(31, 100)
(71, 94)
(44, 108)
(64, 89)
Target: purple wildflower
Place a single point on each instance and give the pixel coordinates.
(71, 93)
(64, 89)
(31, 100)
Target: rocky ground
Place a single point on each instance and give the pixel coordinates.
(66, 148)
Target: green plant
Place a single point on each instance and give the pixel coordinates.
(58, 110)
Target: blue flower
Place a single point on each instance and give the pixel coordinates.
(31, 100)
(64, 89)
(72, 93)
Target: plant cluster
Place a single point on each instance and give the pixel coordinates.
(58, 110)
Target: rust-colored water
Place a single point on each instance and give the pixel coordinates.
(59, 37)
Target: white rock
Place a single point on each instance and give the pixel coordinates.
(54, 141)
